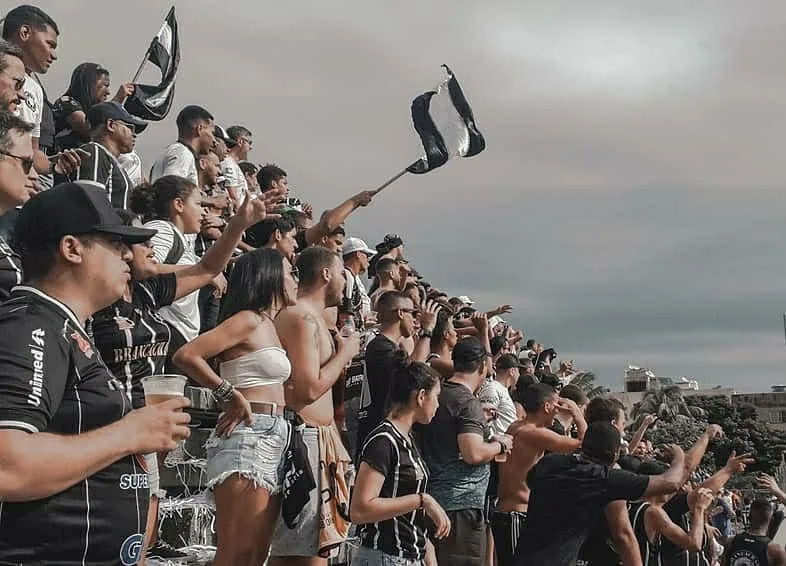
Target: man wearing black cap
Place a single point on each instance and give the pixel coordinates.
(570, 492)
(72, 480)
(458, 457)
(113, 132)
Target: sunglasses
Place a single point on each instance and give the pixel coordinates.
(127, 125)
(27, 162)
(295, 273)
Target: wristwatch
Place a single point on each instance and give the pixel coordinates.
(426, 333)
(502, 448)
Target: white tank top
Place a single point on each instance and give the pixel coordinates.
(266, 366)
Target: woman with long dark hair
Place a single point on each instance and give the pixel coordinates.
(390, 500)
(89, 86)
(134, 340)
(245, 453)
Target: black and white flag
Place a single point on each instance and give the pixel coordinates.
(443, 119)
(152, 102)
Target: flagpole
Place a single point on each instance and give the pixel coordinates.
(395, 178)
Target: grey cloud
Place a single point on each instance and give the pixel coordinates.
(630, 199)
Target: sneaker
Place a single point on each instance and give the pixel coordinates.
(164, 551)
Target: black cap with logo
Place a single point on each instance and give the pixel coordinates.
(469, 350)
(73, 209)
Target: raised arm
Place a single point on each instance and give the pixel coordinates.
(309, 381)
(697, 451)
(215, 260)
(672, 479)
(646, 422)
(335, 217)
(691, 541)
(734, 465)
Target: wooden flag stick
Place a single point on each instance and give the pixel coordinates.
(395, 178)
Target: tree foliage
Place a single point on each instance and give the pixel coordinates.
(681, 420)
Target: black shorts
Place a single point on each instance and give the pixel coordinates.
(506, 528)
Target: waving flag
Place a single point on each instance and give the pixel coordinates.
(152, 102)
(444, 121)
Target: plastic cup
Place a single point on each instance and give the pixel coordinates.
(160, 388)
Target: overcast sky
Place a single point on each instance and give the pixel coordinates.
(630, 199)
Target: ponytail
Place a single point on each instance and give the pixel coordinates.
(153, 201)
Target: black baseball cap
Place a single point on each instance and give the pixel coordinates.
(73, 209)
(222, 134)
(508, 361)
(101, 113)
(469, 350)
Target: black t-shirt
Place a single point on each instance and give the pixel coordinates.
(101, 166)
(66, 137)
(10, 269)
(455, 484)
(598, 548)
(55, 381)
(568, 496)
(376, 386)
(746, 549)
(396, 457)
(132, 338)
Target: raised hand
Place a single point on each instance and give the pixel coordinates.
(428, 315)
(256, 210)
(737, 464)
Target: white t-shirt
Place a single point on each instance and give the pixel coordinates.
(494, 393)
(233, 177)
(132, 165)
(177, 159)
(183, 314)
(32, 107)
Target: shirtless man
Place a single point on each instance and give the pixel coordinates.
(316, 366)
(531, 438)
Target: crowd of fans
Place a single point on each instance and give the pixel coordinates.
(471, 445)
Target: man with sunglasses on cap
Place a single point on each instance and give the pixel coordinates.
(73, 484)
(113, 132)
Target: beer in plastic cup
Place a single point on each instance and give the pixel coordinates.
(160, 388)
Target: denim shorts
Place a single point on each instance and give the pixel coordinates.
(365, 556)
(254, 452)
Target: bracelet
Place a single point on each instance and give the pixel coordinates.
(224, 391)
(502, 449)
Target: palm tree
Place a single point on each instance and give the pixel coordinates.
(585, 380)
(667, 404)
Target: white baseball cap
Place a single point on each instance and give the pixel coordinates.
(352, 245)
(466, 300)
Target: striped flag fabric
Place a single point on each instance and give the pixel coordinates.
(153, 102)
(446, 125)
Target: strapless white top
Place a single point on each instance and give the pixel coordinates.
(266, 366)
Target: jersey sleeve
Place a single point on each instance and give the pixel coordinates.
(623, 484)
(179, 161)
(162, 289)
(230, 173)
(379, 453)
(65, 106)
(471, 418)
(163, 240)
(34, 363)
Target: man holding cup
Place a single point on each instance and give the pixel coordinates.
(72, 482)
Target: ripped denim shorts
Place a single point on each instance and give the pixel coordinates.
(255, 452)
